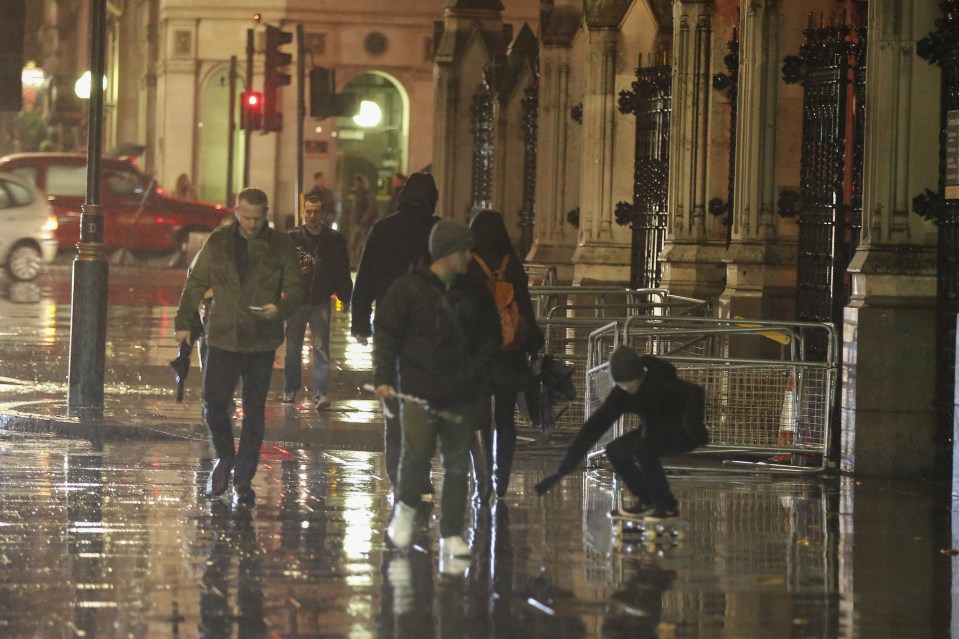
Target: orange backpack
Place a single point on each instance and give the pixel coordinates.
(511, 321)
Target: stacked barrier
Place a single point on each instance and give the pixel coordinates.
(569, 315)
(765, 395)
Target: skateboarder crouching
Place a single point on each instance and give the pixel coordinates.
(672, 421)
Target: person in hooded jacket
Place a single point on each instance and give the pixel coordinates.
(492, 451)
(436, 332)
(396, 244)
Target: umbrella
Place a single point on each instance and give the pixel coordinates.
(550, 388)
(181, 365)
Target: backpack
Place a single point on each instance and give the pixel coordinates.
(511, 321)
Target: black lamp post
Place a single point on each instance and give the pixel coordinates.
(88, 319)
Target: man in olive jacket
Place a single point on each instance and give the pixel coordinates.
(253, 273)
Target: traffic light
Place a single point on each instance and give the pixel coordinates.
(274, 77)
(324, 101)
(252, 110)
(11, 54)
(321, 93)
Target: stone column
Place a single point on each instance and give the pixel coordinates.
(472, 33)
(177, 92)
(601, 254)
(889, 337)
(554, 238)
(692, 254)
(761, 267)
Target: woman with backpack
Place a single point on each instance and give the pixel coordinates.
(496, 264)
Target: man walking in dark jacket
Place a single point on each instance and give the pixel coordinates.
(256, 283)
(436, 333)
(325, 266)
(395, 244)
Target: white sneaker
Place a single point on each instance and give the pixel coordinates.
(454, 547)
(400, 530)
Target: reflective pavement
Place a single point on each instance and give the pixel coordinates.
(111, 536)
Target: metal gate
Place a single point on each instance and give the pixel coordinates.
(481, 126)
(942, 47)
(831, 67)
(650, 100)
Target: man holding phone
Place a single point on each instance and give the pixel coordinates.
(253, 272)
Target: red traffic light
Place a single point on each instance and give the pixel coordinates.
(252, 107)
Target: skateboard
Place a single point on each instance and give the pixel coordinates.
(630, 533)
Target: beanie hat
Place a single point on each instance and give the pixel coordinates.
(420, 189)
(625, 365)
(447, 237)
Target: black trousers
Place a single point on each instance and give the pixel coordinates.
(637, 455)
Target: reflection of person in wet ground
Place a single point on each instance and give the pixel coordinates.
(641, 599)
(234, 539)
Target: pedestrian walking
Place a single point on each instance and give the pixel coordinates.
(396, 243)
(256, 282)
(397, 180)
(496, 265)
(325, 265)
(436, 331)
(671, 411)
(323, 192)
(362, 216)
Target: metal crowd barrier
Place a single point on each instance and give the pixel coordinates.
(569, 315)
(541, 274)
(765, 396)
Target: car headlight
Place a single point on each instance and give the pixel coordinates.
(51, 224)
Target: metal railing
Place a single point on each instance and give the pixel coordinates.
(569, 315)
(768, 391)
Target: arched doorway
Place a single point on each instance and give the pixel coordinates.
(211, 175)
(375, 147)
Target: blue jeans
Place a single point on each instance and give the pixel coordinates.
(318, 317)
(222, 372)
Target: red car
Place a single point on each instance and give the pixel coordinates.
(138, 215)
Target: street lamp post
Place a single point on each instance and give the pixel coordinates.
(90, 268)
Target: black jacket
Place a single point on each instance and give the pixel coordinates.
(509, 368)
(396, 243)
(671, 410)
(435, 350)
(327, 264)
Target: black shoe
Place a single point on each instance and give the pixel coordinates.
(639, 510)
(243, 494)
(219, 479)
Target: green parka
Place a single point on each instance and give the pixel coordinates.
(273, 277)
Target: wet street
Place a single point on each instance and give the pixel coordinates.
(108, 534)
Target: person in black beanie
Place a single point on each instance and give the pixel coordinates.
(396, 244)
(673, 421)
(436, 332)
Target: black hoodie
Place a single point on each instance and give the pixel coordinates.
(396, 243)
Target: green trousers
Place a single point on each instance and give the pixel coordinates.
(421, 430)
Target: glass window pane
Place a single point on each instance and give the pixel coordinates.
(20, 194)
(5, 200)
(67, 181)
(26, 172)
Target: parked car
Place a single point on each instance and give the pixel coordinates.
(138, 215)
(27, 226)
